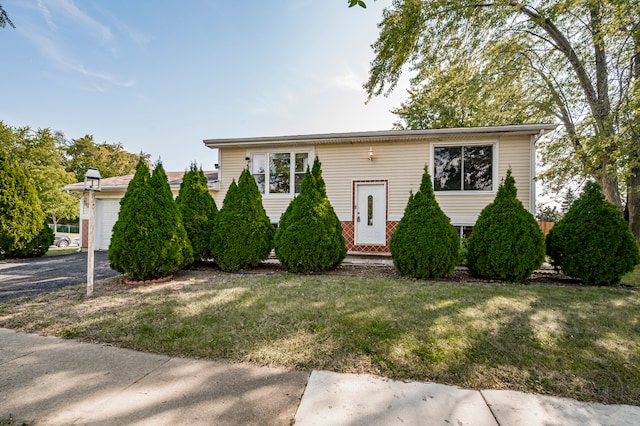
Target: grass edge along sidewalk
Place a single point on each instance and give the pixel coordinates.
(570, 341)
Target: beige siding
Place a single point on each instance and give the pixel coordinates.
(401, 165)
(232, 162)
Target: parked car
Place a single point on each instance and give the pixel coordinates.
(61, 240)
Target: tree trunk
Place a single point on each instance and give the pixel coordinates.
(633, 201)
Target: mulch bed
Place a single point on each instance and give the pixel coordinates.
(461, 273)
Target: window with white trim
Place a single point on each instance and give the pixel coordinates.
(279, 172)
(463, 167)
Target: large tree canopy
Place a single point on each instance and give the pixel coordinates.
(109, 158)
(40, 154)
(503, 62)
(51, 162)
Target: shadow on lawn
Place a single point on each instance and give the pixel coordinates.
(575, 342)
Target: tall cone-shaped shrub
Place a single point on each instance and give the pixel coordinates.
(198, 210)
(424, 244)
(149, 240)
(21, 215)
(506, 242)
(309, 235)
(592, 241)
(243, 234)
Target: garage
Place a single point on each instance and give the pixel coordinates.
(108, 204)
(106, 216)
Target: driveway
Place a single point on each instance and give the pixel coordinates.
(28, 277)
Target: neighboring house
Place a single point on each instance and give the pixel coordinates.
(369, 175)
(108, 204)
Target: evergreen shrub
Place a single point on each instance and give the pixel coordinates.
(424, 244)
(21, 214)
(309, 235)
(198, 210)
(38, 246)
(149, 240)
(592, 242)
(506, 243)
(243, 233)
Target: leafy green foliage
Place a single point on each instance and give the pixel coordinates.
(149, 240)
(243, 234)
(592, 241)
(506, 242)
(548, 213)
(38, 246)
(21, 215)
(424, 244)
(109, 158)
(40, 154)
(486, 63)
(4, 18)
(309, 235)
(198, 210)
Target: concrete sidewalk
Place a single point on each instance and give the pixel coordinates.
(51, 381)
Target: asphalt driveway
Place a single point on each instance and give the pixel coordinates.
(28, 277)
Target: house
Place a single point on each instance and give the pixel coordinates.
(108, 204)
(369, 175)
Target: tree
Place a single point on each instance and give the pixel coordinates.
(243, 234)
(149, 240)
(198, 210)
(567, 201)
(576, 61)
(506, 242)
(40, 154)
(37, 246)
(21, 215)
(548, 213)
(109, 159)
(424, 244)
(309, 235)
(4, 18)
(592, 241)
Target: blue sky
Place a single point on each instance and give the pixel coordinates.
(161, 76)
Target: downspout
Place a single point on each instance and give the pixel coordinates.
(532, 169)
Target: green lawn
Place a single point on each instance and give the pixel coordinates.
(572, 341)
(59, 251)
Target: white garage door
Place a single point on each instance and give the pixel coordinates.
(106, 216)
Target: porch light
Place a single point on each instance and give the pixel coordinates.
(370, 153)
(92, 180)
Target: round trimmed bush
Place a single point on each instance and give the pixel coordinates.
(592, 242)
(309, 235)
(506, 243)
(424, 244)
(243, 233)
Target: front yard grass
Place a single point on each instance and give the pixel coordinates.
(571, 341)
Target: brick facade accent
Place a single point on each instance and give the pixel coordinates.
(348, 231)
(85, 233)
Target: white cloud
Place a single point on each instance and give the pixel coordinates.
(67, 9)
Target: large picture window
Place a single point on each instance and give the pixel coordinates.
(279, 172)
(463, 168)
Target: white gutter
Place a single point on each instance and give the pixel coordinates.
(380, 136)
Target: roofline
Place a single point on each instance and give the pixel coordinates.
(382, 135)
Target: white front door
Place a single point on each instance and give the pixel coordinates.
(370, 213)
